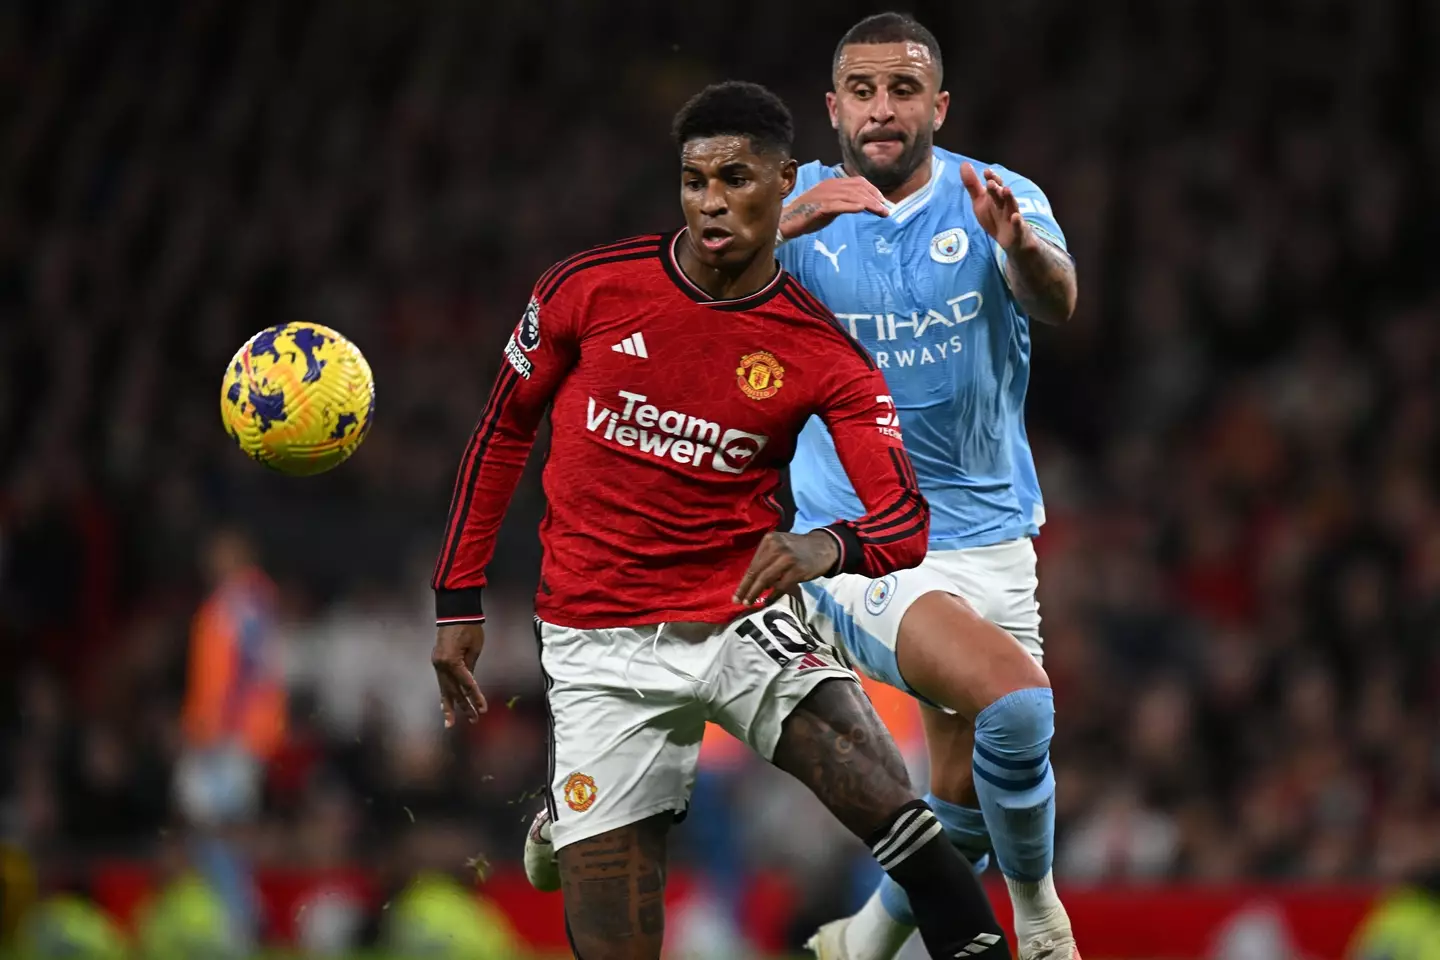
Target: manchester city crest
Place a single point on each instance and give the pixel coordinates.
(949, 247)
(879, 594)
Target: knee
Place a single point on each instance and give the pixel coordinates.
(1029, 674)
(953, 656)
(1023, 720)
(1014, 672)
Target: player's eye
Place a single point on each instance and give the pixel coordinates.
(863, 93)
(736, 180)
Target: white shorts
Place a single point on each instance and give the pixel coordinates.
(999, 581)
(628, 707)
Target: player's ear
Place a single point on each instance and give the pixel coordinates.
(942, 107)
(832, 104)
(789, 170)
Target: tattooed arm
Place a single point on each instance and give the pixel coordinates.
(1039, 271)
(1042, 278)
(615, 892)
(817, 207)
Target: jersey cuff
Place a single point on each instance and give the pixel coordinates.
(851, 553)
(458, 606)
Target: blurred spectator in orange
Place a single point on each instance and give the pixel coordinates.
(234, 716)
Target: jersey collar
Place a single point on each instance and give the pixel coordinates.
(913, 204)
(671, 262)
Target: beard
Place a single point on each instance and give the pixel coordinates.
(887, 175)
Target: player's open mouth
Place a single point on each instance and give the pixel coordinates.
(716, 239)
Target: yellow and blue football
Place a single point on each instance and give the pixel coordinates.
(298, 398)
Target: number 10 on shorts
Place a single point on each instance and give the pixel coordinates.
(781, 636)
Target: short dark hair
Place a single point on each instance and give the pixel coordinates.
(737, 108)
(891, 28)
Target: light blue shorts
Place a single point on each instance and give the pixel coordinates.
(864, 614)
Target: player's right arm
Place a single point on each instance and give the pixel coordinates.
(817, 208)
(538, 356)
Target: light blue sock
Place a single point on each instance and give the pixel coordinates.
(965, 826)
(229, 876)
(1015, 783)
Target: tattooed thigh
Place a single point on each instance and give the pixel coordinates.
(836, 745)
(614, 887)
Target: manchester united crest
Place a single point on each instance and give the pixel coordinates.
(580, 792)
(760, 375)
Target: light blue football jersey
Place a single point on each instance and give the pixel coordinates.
(925, 291)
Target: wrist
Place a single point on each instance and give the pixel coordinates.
(455, 607)
(1025, 245)
(848, 552)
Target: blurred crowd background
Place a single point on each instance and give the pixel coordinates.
(1237, 435)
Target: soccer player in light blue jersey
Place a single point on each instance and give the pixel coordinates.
(938, 264)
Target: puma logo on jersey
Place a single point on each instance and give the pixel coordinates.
(673, 435)
(824, 251)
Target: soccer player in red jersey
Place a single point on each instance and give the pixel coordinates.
(679, 370)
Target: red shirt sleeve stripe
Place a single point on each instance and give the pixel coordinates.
(805, 302)
(637, 249)
(593, 251)
(569, 272)
(907, 469)
(915, 526)
(883, 515)
(913, 516)
(892, 528)
(465, 479)
(885, 518)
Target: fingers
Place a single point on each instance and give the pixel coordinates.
(1002, 196)
(853, 195)
(871, 199)
(763, 555)
(459, 693)
(769, 578)
(473, 696)
(971, 181)
(860, 205)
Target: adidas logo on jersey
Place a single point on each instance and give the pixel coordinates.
(673, 435)
(634, 345)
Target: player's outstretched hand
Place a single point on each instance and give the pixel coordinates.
(817, 207)
(457, 648)
(785, 560)
(996, 208)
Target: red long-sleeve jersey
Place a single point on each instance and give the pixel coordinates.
(672, 415)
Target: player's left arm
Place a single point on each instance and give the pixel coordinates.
(1037, 266)
(895, 530)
